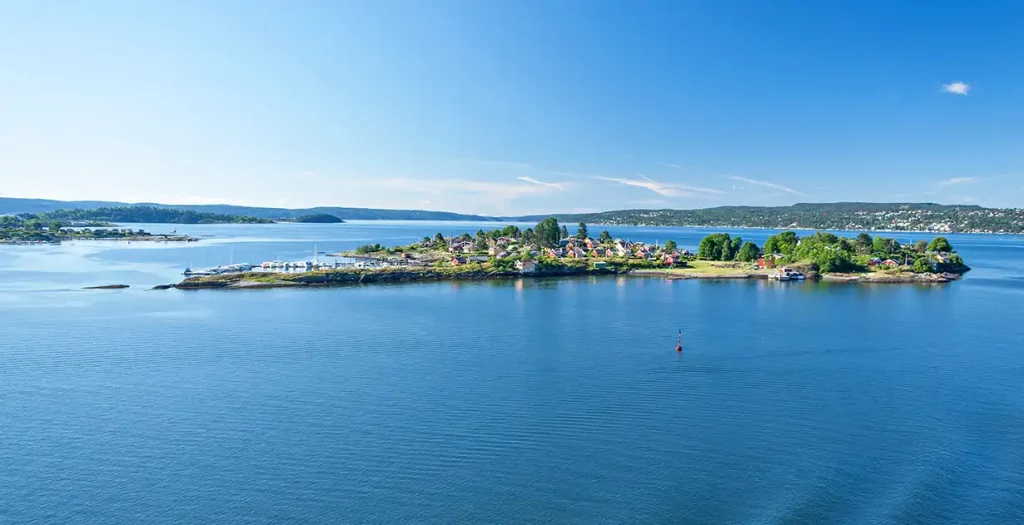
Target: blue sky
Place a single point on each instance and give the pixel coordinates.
(513, 106)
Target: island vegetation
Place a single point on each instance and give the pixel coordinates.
(144, 214)
(18, 230)
(318, 218)
(828, 256)
(548, 249)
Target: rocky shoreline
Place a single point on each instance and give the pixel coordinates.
(353, 276)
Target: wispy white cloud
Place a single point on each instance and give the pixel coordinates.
(956, 88)
(956, 180)
(661, 188)
(560, 186)
(767, 184)
(669, 165)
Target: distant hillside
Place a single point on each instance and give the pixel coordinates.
(855, 216)
(852, 216)
(15, 206)
(148, 214)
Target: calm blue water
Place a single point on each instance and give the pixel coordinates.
(551, 401)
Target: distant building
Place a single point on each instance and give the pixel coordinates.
(526, 266)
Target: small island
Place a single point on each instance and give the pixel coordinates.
(548, 250)
(318, 218)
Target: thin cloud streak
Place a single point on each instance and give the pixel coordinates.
(669, 165)
(767, 184)
(661, 188)
(560, 186)
(955, 180)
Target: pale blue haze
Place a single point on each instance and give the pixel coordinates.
(512, 107)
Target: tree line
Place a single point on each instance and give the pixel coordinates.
(831, 253)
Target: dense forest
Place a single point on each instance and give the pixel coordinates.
(146, 214)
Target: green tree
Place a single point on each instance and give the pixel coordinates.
(439, 238)
(784, 243)
(606, 237)
(564, 233)
(670, 245)
(581, 232)
(921, 265)
(54, 227)
(547, 233)
(940, 244)
(864, 243)
(748, 252)
(527, 236)
(879, 246)
(920, 246)
(734, 249)
(714, 247)
(426, 239)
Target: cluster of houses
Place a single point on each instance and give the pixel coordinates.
(572, 248)
(875, 261)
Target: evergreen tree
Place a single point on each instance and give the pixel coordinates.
(547, 233)
(581, 232)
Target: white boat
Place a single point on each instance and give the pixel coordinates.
(778, 276)
(793, 274)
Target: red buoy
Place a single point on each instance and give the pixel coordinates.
(679, 345)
